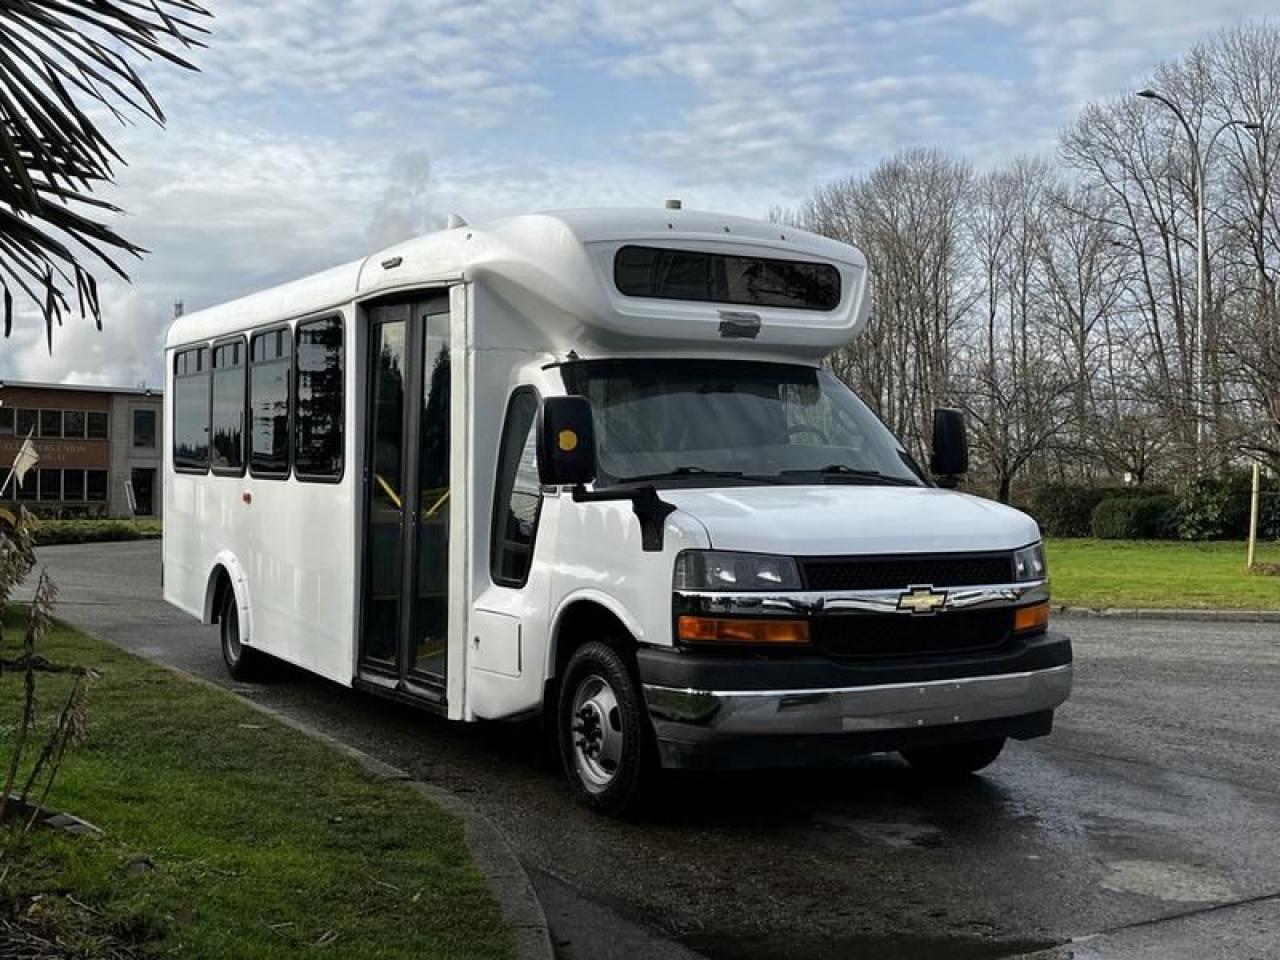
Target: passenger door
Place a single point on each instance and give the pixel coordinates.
(405, 606)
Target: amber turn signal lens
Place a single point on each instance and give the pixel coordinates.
(765, 632)
(1031, 619)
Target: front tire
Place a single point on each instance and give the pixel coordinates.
(952, 761)
(242, 663)
(606, 743)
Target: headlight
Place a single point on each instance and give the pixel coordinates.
(1028, 563)
(720, 570)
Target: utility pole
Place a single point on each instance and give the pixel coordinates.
(1200, 163)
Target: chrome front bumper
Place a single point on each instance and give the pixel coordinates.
(864, 709)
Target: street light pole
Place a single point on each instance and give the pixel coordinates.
(1200, 162)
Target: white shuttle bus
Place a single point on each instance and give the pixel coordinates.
(587, 465)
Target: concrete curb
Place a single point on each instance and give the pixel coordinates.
(493, 856)
(1201, 616)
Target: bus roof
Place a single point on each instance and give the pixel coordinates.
(561, 265)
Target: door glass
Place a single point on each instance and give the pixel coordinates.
(432, 620)
(386, 496)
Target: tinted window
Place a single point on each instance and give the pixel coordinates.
(72, 484)
(50, 423)
(73, 424)
(517, 497)
(228, 407)
(6, 421)
(190, 410)
(270, 364)
(144, 428)
(698, 275)
(50, 484)
(96, 481)
(30, 485)
(317, 450)
(767, 422)
(26, 421)
(97, 425)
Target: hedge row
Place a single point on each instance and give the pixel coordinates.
(1210, 508)
(49, 532)
(1065, 510)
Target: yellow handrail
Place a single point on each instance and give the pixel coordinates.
(436, 506)
(395, 497)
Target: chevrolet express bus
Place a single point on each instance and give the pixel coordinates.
(588, 466)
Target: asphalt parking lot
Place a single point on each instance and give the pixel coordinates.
(1147, 825)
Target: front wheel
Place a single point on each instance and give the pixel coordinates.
(605, 739)
(956, 759)
(242, 662)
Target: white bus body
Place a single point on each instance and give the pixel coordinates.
(333, 448)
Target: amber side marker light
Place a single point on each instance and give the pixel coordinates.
(766, 632)
(1031, 619)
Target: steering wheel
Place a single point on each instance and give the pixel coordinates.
(790, 432)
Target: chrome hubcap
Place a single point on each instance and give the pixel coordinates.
(597, 733)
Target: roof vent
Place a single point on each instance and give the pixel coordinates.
(674, 204)
(456, 220)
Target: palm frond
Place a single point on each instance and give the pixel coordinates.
(59, 59)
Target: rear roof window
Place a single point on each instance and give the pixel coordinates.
(726, 278)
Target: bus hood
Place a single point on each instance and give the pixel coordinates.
(834, 519)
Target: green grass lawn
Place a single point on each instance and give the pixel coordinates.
(1158, 573)
(264, 842)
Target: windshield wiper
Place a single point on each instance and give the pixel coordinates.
(840, 472)
(699, 472)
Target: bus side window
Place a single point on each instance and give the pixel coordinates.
(190, 411)
(318, 419)
(517, 494)
(227, 447)
(270, 400)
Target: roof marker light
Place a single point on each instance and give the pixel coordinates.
(392, 262)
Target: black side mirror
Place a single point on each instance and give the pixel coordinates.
(566, 442)
(950, 457)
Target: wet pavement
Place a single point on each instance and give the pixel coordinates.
(1147, 825)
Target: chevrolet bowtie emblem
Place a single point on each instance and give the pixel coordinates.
(922, 600)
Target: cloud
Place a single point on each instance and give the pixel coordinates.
(319, 131)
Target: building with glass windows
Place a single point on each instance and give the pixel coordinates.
(99, 448)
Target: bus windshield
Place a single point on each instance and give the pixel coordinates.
(733, 422)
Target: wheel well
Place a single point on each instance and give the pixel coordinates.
(583, 622)
(220, 583)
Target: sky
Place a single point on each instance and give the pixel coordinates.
(319, 131)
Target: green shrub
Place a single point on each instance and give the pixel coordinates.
(1066, 510)
(1136, 518)
(1217, 507)
(50, 532)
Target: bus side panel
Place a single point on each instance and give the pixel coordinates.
(294, 541)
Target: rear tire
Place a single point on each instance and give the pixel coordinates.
(606, 743)
(242, 662)
(955, 760)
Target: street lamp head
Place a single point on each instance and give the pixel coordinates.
(1148, 94)
(1253, 127)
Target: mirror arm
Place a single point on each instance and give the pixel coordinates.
(650, 509)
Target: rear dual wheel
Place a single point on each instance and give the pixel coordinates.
(243, 663)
